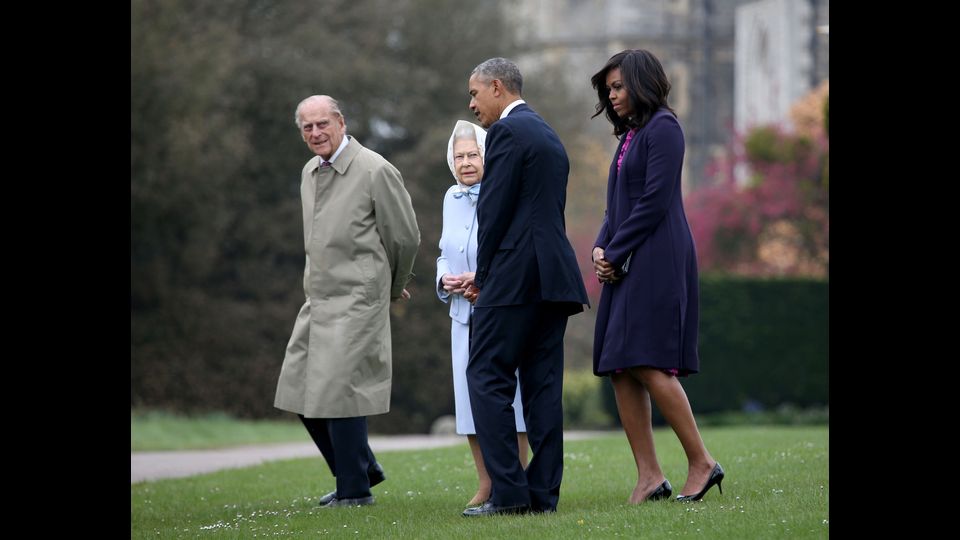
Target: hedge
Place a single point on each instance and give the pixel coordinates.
(763, 343)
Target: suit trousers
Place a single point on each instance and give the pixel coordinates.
(524, 339)
(343, 444)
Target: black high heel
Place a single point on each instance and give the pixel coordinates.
(716, 476)
(663, 491)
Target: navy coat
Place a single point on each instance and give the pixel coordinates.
(523, 255)
(650, 317)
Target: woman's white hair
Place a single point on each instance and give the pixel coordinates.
(466, 131)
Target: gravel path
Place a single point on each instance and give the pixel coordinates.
(176, 464)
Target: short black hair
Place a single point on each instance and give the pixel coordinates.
(503, 69)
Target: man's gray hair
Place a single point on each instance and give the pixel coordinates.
(334, 108)
(503, 69)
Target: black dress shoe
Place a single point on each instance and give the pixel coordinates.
(327, 498)
(374, 473)
(490, 509)
(663, 491)
(360, 501)
(716, 476)
(542, 510)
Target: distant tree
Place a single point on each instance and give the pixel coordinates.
(216, 233)
(776, 222)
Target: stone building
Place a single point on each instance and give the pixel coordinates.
(697, 41)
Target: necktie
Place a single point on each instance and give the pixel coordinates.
(325, 164)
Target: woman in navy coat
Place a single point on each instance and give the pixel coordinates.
(646, 333)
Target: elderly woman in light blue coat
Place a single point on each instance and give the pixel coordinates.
(457, 262)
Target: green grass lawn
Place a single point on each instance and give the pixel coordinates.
(776, 486)
(156, 430)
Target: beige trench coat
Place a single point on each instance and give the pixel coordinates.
(361, 238)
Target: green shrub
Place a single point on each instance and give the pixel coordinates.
(583, 406)
(763, 344)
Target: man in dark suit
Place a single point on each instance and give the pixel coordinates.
(526, 285)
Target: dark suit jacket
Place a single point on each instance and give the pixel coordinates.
(523, 255)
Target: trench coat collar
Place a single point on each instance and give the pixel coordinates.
(342, 163)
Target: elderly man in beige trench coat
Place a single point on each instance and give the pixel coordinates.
(361, 238)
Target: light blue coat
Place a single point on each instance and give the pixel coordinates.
(458, 248)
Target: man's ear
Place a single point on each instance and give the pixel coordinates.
(497, 87)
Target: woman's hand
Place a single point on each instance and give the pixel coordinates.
(452, 284)
(467, 279)
(457, 284)
(606, 273)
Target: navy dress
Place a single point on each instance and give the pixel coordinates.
(650, 316)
